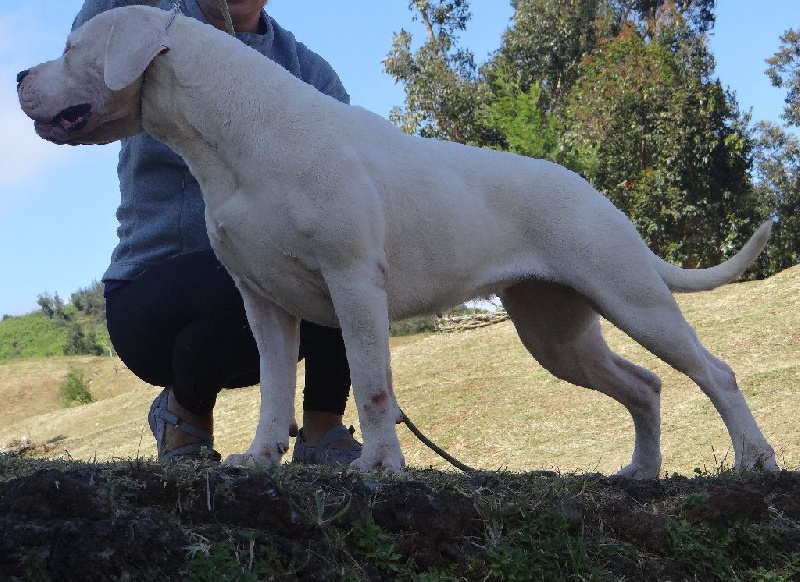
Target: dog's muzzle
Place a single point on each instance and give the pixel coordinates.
(72, 118)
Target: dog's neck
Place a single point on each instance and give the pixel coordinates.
(178, 131)
(182, 103)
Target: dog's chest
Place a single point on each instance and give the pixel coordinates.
(260, 253)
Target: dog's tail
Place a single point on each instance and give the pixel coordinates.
(691, 280)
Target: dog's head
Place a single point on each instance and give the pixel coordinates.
(91, 94)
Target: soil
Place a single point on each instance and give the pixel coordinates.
(137, 520)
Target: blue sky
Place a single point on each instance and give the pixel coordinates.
(57, 203)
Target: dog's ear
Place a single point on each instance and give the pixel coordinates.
(136, 37)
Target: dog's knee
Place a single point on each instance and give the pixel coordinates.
(643, 375)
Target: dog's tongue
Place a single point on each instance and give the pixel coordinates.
(73, 117)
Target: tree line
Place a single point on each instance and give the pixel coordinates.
(83, 320)
(623, 92)
(58, 327)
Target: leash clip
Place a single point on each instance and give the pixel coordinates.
(176, 7)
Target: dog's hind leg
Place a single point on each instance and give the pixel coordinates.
(656, 322)
(562, 332)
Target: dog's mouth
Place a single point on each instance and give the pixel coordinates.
(62, 127)
(73, 118)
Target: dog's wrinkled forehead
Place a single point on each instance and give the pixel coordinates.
(122, 42)
(89, 32)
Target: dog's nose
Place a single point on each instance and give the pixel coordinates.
(21, 75)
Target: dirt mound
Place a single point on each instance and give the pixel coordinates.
(139, 520)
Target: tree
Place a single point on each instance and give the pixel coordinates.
(518, 121)
(619, 90)
(669, 145)
(549, 41)
(441, 81)
(513, 120)
(652, 16)
(784, 72)
(52, 306)
(90, 301)
(778, 183)
(83, 322)
(74, 389)
(777, 160)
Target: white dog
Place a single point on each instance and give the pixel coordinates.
(352, 223)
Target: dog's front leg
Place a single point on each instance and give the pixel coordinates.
(277, 336)
(359, 298)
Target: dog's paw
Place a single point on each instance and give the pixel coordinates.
(258, 456)
(243, 460)
(758, 460)
(248, 460)
(387, 460)
(634, 471)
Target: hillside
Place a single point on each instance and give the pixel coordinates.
(477, 394)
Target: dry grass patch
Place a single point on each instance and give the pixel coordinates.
(29, 387)
(479, 395)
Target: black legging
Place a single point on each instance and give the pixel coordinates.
(182, 324)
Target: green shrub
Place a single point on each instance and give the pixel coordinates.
(82, 341)
(413, 325)
(540, 547)
(376, 545)
(243, 556)
(74, 389)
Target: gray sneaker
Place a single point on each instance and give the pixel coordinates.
(326, 451)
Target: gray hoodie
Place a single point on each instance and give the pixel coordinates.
(161, 213)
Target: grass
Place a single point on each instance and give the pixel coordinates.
(184, 521)
(477, 394)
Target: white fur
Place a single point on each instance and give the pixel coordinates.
(329, 213)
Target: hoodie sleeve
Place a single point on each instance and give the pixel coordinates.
(92, 8)
(317, 72)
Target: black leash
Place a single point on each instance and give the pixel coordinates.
(431, 445)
